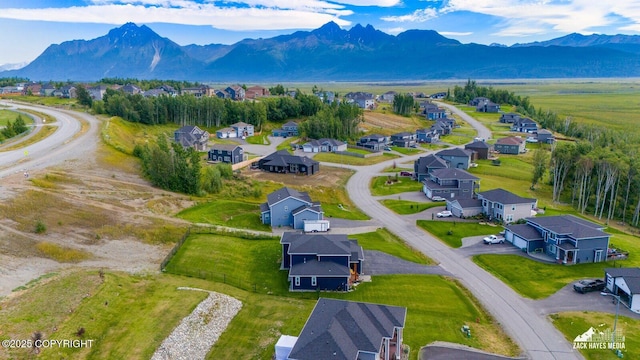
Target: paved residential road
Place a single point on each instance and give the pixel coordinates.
(66, 143)
(530, 329)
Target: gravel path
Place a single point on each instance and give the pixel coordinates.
(196, 334)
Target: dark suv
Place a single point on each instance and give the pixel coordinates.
(584, 286)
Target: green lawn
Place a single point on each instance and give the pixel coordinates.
(238, 214)
(404, 207)
(258, 140)
(8, 115)
(452, 233)
(572, 324)
(380, 187)
(352, 160)
(429, 299)
(405, 151)
(385, 241)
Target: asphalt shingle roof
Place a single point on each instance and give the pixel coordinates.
(569, 225)
(504, 197)
(286, 192)
(338, 329)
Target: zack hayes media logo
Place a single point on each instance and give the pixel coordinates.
(594, 339)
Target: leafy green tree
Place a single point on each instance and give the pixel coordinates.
(83, 96)
(540, 161)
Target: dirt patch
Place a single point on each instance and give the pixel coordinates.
(327, 177)
(387, 122)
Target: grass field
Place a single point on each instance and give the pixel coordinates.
(404, 207)
(385, 241)
(125, 135)
(572, 324)
(9, 115)
(238, 214)
(379, 185)
(352, 160)
(429, 299)
(452, 232)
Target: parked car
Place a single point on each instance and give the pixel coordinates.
(387, 149)
(405, 173)
(532, 139)
(493, 239)
(438, 198)
(445, 213)
(585, 286)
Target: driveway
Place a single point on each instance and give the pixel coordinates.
(379, 263)
(448, 351)
(474, 245)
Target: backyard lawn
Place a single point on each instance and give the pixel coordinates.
(385, 241)
(389, 185)
(404, 207)
(452, 232)
(238, 214)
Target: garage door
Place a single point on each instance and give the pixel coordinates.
(519, 242)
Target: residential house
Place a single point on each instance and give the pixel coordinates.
(193, 137)
(288, 129)
(222, 94)
(289, 207)
(226, 133)
(324, 145)
(236, 92)
(524, 125)
(403, 139)
(441, 128)
(283, 162)
(510, 145)
(566, 238)
(231, 154)
(32, 89)
(424, 165)
(199, 91)
(320, 261)
(464, 208)
(456, 157)
(388, 97)
(450, 184)
(131, 89)
(375, 142)
(255, 92)
(545, 136)
(47, 89)
(625, 283)
(488, 107)
(480, 150)
(327, 97)
(349, 330)
(97, 92)
(433, 112)
(243, 129)
(503, 205)
(362, 99)
(509, 118)
(427, 136)
(478, 100)
(68, 92)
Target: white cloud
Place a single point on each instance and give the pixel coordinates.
(394, 31)
(453, 33)
(303, 16)
(527, 17)
(420, 15)
(380, 3)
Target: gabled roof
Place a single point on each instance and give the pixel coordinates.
(468, 203)
(511, 140)
(240, 124)
(339, 329)
(315, 208)
(504, 197)
(283, 158)
(525, 231)
(631, 277)
(454, 152)
(290, 124)
(477, 145)
(545, 132)
(332, 142)
(402, 134)
(225, 147)
(458, 174)
(431, 161)
(570, 225)
(314, 267)
(286, 192)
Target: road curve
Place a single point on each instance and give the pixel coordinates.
(66, 143)
(536, 336)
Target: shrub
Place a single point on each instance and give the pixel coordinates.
(40, 228)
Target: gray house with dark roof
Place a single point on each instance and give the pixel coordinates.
(509, 118)
(525, 125)
(375, 142)
(231, 154)
(566, 238)
(289, 207)
(510, 145)
(503, 205)
(288, 129)
(403, 139)
(463, 208)
(348, 330)
(423, 166)
(283, 162)
(192, 137)
(456, 157)
(450, 184)
(320, 261)
(480, 150)
(624, 282)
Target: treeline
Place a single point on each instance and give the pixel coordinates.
(149, 84)
(12, 81)
(598, 173)
(13, 128)
(337, 121)
(404, 104)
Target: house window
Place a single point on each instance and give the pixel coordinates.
(509, 218)
(314, 281)
(297, 280)
(286, 209)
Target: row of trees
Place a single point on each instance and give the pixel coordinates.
(13, 128)
(404, 104)
(337, 121)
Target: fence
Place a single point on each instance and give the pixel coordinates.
(174, 250)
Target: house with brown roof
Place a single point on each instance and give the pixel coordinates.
(510, 145)
(480, 150)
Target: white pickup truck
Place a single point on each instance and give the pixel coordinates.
(493, 239)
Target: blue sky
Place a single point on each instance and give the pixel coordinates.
(27, 27)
